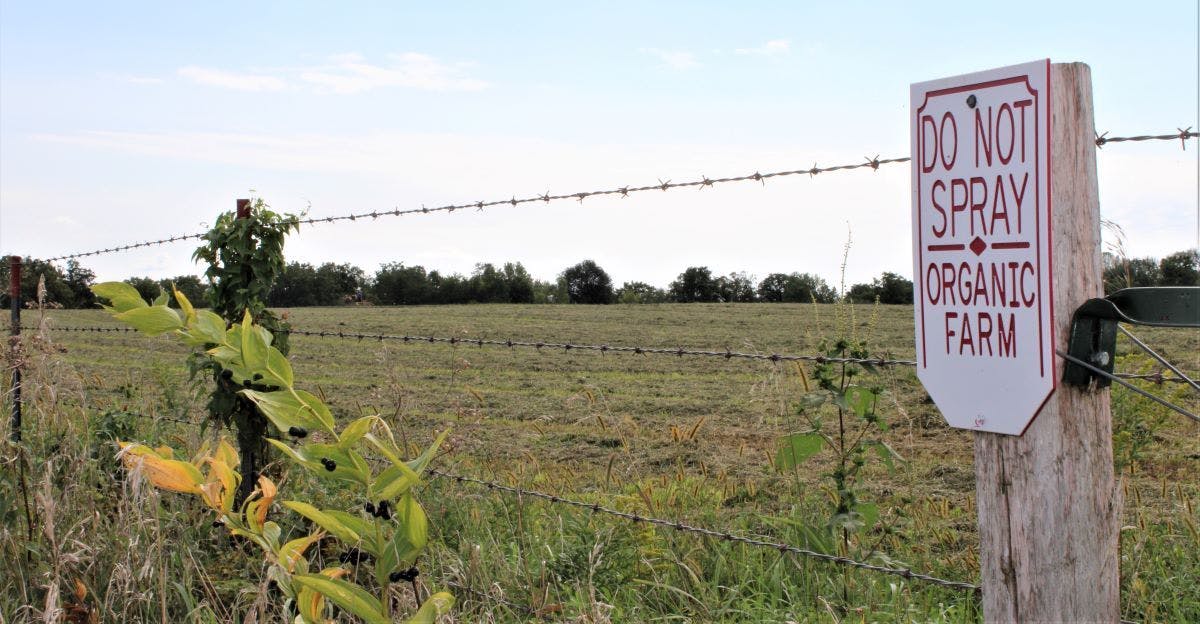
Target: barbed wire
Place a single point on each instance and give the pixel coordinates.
(1183, 135)
(603, 348)
(120, 248)
(679, 525)
(1157, 378)
(623, 191)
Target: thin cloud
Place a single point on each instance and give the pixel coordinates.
(232, 80)
(351, 73)
(774, 47)
(347, 74)
(674, 59)
(132, 79)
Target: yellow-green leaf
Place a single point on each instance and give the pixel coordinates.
(349, 465)
(292, 553)
(354, 431)
(349, 597)
(287, 409)
(152, 321)
(363, 528)
(392, 482)
(409, 539)
(437, 604)
(226, 453)
(278, 371)
(271, 533)
(254, 346)
(122, 296)
(418, 465)
(209, 326)
(324, 520)
(189, 313)
(296, 457)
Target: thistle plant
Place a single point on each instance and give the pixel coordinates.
(390, 529)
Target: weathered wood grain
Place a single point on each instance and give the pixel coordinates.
(1047, 501)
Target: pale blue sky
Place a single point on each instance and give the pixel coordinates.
(133, 120)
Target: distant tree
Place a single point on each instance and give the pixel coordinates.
(396, 284)
(520, 284)
(79, 280)
(693, 285)
(862, 293)
(586, 282)
(57, 289)
(640, 292)
(807, 288)
(736, 287)
(771, 288)
(549, 292)
(888, 288)
(148, 288)
(449, 289)
(1181, 268)
(795, 288)
(296, 286)
(1130, 272)
(894, 289)
(190, 286)
(337, 281)
(488, 285)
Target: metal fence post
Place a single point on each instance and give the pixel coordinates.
(14, 293)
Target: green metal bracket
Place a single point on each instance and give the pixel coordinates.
(1094, 325)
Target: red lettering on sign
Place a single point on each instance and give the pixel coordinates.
(949, 332)
(1022, 104)
(938, 207)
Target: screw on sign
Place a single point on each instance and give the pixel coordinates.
(981, 245)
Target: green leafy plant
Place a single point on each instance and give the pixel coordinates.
(857, 434)
(389, 531)
(850, 439)
(244, 253)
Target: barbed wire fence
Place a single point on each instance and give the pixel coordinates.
(1157, 377)
(873, 163)
(704, 182)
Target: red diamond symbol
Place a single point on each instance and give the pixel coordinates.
(978, 246)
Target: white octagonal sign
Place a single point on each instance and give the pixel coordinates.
(981, 245)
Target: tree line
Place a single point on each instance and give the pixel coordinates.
(329, 284)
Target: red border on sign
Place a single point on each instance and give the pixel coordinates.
(1041, 106)
(1050, 247)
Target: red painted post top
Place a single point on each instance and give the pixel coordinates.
(14, 276)
(243, 208)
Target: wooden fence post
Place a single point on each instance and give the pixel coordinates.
(1049, 509)
(14, 294)
(251, 425)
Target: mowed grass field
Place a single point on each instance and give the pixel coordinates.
(685, 438)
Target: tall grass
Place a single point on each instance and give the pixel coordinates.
(80, 541)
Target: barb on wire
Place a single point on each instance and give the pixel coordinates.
(604, 348)
(1183, 135)
(1104, 373)
(94, 330)
(1161, 360)
(98, 252)
(622, 191)
(721, 535)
